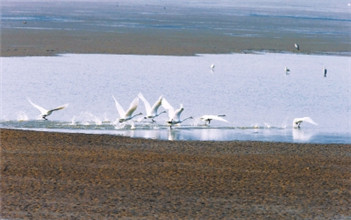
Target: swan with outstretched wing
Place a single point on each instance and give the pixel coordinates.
(151, 111)
(208, 118)
(174, 115)
(44, 112)
(127, 115)
(297, 121)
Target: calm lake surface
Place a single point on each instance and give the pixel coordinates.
(260, 100)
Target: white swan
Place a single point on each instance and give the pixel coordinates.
(297, 46)
(208, 118)
(44, 112)
(297, 121)
(127, 115)
(174, 115)
(212, 67)
(151, 112)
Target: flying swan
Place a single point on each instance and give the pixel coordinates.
(174, 115)
(127, 115)
(297, 121)
(151, 112)
(44, 112)
(208, 118)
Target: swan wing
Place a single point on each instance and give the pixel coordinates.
(213, 117)
(168, 107)
(146, 103)
(41, 109)
(309, 120)
(298, 121)
(177, 113)
(133, 106)
(157, 104)
(120, 109)
(58, 108)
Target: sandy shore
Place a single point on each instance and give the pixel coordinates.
(27, 42)
(81, 176)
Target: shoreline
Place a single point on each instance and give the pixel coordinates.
(341, 54)
(62, 175)
(87, 132)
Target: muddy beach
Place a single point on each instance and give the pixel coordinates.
(82, 176)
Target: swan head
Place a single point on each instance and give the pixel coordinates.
(191, 117)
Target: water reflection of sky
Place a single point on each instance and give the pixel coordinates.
(258, 98)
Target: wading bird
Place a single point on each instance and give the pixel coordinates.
(44, 112)
(287, 70)
(127, 115)
(297, 46)
(325, 71)
(212, 67)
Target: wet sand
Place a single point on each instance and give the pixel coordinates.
(82, 176)
(32, 28)
(27, 42)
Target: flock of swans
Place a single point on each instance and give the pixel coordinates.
(152, 112)
(174, 115)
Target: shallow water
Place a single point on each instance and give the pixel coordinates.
(272, 19)
(260, 100)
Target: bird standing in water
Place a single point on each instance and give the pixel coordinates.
(297, 46)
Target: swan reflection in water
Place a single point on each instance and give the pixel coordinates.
(302, 135)
(173, 134)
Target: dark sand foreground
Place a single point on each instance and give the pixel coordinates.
(81, 176)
